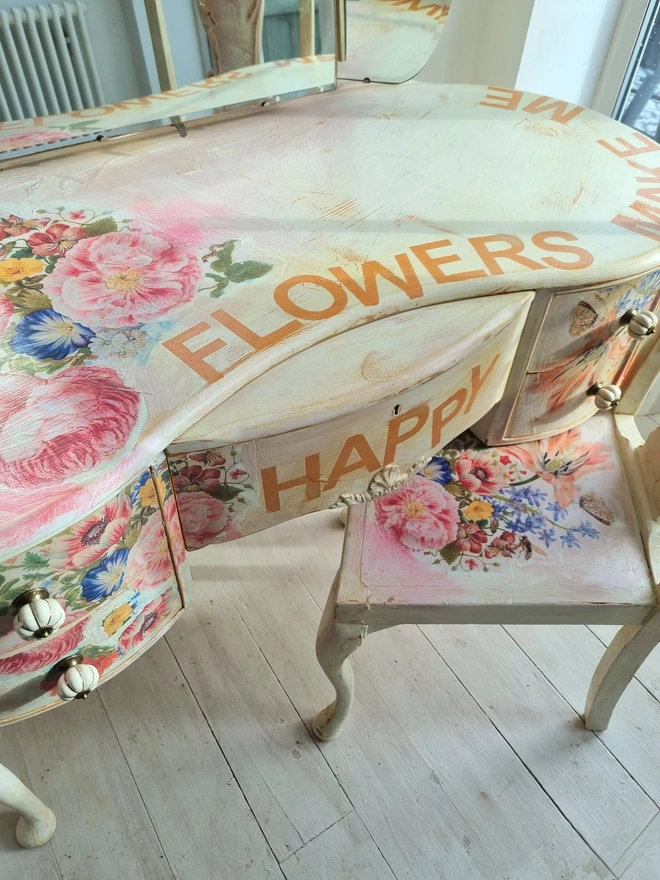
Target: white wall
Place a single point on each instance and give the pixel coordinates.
(555, 47)
(482, 42)
(566, 46)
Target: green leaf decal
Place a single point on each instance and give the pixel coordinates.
(222, 256)
(225, 492)
(33, 560)
(247, 271)
(450, 553)
(100, 227)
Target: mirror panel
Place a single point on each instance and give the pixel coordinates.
(84, 70)
(390, 41)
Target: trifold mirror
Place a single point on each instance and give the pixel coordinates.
(83, 71)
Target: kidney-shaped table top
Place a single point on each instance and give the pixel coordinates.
(142, 285)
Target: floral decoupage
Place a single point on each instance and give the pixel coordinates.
(478, 509)
(120, 548)
(213, 489)
(114, 574)
(85, 298)
(578, 347)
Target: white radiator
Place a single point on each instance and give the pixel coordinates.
(46, 61)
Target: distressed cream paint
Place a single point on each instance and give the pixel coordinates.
(364, 203)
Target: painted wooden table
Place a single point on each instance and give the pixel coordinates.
(203, 337)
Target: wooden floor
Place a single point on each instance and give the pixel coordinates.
(464, 758)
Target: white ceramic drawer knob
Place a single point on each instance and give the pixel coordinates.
(37, 615)
(640, 324)
(606, 396)
(78, 679)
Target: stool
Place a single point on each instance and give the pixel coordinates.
(561, 530)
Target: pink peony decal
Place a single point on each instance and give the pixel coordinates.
(46, 653)
(421, 515)
(149, 563)
(122, 279)
(58, 428)
(56, 240)
(478, 472)
(203, 518)
(92, 537)
(6, 311)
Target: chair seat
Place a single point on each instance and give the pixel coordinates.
(543, 531)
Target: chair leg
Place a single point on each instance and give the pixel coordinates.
(37, 823)
(625, 654)
(334, 645)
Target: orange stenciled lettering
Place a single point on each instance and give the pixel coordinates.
(649, 227)
(653, 173)
(561, 113)
(283, 298)
(584, 258)
(440, 419)
(478, 381)
(195, 359)
(432, 264)
(648, 146)
(368, 295)
(420, 415)
(508, 100)
(258, 343)
(513, 251)
(367, 459)
(311, 479)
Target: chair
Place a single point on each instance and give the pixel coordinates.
(561, 530)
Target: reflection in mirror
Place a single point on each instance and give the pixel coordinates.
(390, 41)
(84, 70)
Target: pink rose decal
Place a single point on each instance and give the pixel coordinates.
(421, 515)
(6, 311)
(54, 429)
(122, 279)
(478, 473)
(46, 653)
(90, 539)
(149, 562)
(203, 518)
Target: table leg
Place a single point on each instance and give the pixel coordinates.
(37, 823)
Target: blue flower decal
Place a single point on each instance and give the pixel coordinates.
(47, 334)
(556, 511)
(587, 530)
(106, 578)
(135, 489)
(547, 536)
(438, 470)
(569, 540)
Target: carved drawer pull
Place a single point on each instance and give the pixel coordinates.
(37, 615)
(640, 324)
(607, 396)
(78, 679)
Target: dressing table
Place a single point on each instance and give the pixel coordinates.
(286, 310)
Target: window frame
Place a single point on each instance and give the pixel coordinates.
(632, 19)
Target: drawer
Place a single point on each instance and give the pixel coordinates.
(89, 564)
(114, 632)
(572, 341)
(393, 397)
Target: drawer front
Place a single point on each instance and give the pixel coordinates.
(581, 341)
(114, 633)
(97, 561)
(226, 492)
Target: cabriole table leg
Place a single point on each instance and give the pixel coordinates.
(37, 823)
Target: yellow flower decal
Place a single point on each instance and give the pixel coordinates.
(117, 618)
(478, 510)
(149, 493)
(15, 270)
